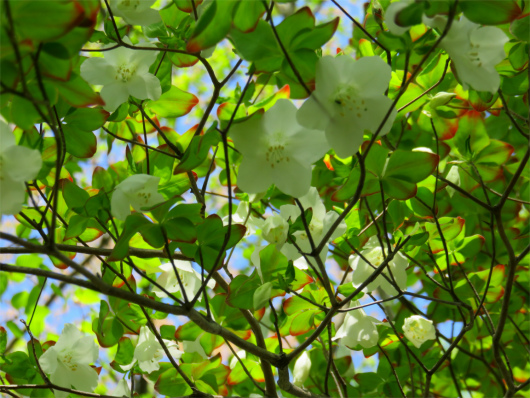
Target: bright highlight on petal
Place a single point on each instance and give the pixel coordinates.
(123, 72)
(301, 370)
(191, 279)
(149, 351)
(277, 150)
(348, 100)
(67, 362)
(418, 330)
(17, 165)
(139, 191)
(358, 329)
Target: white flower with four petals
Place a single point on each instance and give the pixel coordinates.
(139, 191)
(418, 330)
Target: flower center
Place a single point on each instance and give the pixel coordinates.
(276, 152)
(417, 330)
(347, 100)
(67, 361)
(124, 73)
(473, 55)
(376, 257)
(129, 5)
(144, 197)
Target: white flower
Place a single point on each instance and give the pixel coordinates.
(390, 17)
(122, 389)
(320, 224)
(349, 99)
(277, 150)
(17, 164)
(190, 278)
(139, 191)
(418, 330)
(358, 329)
(301, 369)
(67, 362)
(149, 352)
(123, 72)
(275, 230)
(374, 254)
(475, 50)
(135, 12)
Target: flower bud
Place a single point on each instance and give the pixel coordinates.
(275, 229)
(441, 99)
(301, 369)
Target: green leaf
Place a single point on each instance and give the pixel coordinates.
(87, 119)
(302, 323)
(241, 291)
(76, 226)
(77, 92)
(134, 223)
(125, 352)
(212, 27)
(170, 383)
(75, 196)
(520, 27)
(3, 340)
(81, 144)
(411, 166)
(45, 20)
(101, 179)
(262, 295)
(491, 12)
(247, 15)
(197, 151)
(174, 103)
(180, 229)
(185, 5)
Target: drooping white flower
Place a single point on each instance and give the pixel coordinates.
(135, 12)
(418, 330)
(17, 164)
(67, 362)
(358, 329)
(475, 50)
(301, 370)
(190, 278)
(277, 150)
(390, 17)
(139, 191)
(123, 72)
(374, 254)
(275, 230)
(320, 224)
(149, 351)
(348, 100)
(122, 389)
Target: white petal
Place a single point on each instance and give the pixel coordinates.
(98, 71)
(69, 337)
(376, 109)
(292, 178)
(144, 18)
(371, 75)
(254, 175)
(120, 56)
(301, 370)
(61, 377)
(344, 136)
(361, 272)
(308, 146)
(114, 95)
(21, 163)
(85, 351)
(84, 378)
(145, 86)
(332, 72)
(390, 17)
(489, 42)
(48, 360)
(479, 78)
(248, 136)
(12, 195)
(143, 59)
(7, 138)
(281, 118)
(119, 205)
(313, 114)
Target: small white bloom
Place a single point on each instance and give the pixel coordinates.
(275, 230)
(418, 330)
(320, 224)
(349, 99)
(139, 191)
(390, 17)
(475, 50)
(135, 12)
(374, 254)
(301, 370)
(123, 72)
(17, 164)
(190, 278)
(149, 352)
(358, 329)
(67, 362)
(277, 150)
(122, 389)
